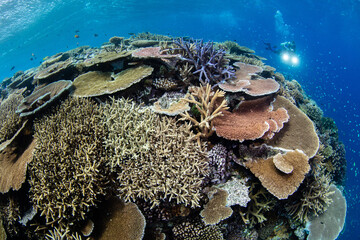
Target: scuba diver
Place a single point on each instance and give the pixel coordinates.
(288, 47)
(287, 52)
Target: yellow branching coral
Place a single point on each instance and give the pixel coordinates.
(10, 121)
(129, 130)
(209, 104)
(161, 162)
(66, 172)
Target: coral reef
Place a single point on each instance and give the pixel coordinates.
(134, 156)
(171, 104)
(66, 174)
(219, 164)
(312, 198)
(298, 133)
(121, 221)
(13, 164)
(237, 190)
(124, 120)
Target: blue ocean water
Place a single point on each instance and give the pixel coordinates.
(326, 34)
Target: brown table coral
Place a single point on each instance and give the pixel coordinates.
(253, 119)
(99, 83)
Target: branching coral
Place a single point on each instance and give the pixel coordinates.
(261, 202)
(129, 130)
(209, 63)
(315, 196)
(169, 165)
(66, 172)
(210, 105)
(10, 121)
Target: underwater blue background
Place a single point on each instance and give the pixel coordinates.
(326, 33)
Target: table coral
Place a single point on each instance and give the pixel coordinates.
(99, 83)
(42, 97)
(253, 119)
(276, 182)
(66, 172)
(298, 133)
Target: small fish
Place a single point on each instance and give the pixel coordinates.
(76, 36)
(12, 68)
(31, 59)
(96, 35)
(131, 34)
(76, 31)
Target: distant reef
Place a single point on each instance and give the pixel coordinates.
(158, 137)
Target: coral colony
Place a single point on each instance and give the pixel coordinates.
(154, 137)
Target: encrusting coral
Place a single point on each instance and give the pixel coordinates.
(210, 106)
(66, 173)
(168, 165)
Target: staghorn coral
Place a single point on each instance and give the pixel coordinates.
(208, 62)
(161, 162)
(261, 202)
(196, 230)
(312, 199)
(9, 120)
(125, 119)
(210, 105)
(66, 172)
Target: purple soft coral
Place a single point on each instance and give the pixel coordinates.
(208, 62)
